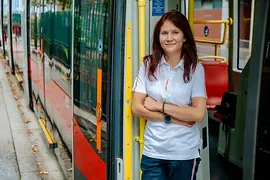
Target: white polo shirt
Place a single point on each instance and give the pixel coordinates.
(171, 141)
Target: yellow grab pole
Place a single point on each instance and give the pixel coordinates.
(141, 5)
(99, 109)
(128, 114)
(216, 49)
(191, 14)
(142, 14)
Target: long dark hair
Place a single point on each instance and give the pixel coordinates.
(189, 50)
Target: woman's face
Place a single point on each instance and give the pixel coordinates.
(171, 38)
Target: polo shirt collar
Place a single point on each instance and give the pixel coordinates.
(180, 64)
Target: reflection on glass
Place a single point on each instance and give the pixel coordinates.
(17, 38)
(90, 86)
(5, 28)
(36, 56)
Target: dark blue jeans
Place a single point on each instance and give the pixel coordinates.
(159, 169)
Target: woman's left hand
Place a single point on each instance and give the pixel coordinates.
(151, 104)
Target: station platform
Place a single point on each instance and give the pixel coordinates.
(23, 150)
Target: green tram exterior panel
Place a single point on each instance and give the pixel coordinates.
(90, 53)
(56, 35)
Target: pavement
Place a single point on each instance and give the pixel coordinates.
(23, 149)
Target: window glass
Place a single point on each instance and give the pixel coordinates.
(90, 68)
(245, 32)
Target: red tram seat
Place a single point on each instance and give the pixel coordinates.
(216, 77)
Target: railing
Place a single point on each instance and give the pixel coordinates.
(223, 59)
(226, 23)
(128, 130)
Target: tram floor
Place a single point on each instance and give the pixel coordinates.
(220, 168)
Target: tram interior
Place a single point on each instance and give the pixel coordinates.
(226, 119)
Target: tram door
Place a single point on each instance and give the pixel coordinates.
(257, 135)
(90, 85)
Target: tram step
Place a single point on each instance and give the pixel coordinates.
(19, 77)
(50, 140)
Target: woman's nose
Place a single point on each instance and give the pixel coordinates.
(169, 37)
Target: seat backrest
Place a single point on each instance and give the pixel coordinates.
(216, 77)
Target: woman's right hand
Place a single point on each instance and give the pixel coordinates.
(183, 123)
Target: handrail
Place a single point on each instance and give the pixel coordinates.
(191, 14)
(224, 60)
(226, 23)
(128, 130)
(99, 109)
(142, 39)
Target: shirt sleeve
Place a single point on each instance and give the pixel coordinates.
(198, 87)
(139, 83)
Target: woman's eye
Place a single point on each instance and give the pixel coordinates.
(164, 33)
(175, 32)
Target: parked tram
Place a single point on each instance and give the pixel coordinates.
(76, 61)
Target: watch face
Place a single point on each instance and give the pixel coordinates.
(167, 119)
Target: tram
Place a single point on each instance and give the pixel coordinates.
(76, 61)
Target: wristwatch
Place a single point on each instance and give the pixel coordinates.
(167, 118)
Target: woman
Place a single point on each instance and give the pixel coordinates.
(169, 92)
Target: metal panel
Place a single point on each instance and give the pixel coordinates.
(116, 85)
(128, 128)
(260, 19)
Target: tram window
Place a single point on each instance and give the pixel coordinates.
(245, 32)
(210, 32)
(91, 45)
(208, 4)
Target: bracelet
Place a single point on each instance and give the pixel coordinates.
(162, 111)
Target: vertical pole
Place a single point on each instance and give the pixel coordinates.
(29, 69)
(233, 43)
(99, 109)
(142, 41)
(191, 14)
(11, 39)
(128, 114)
